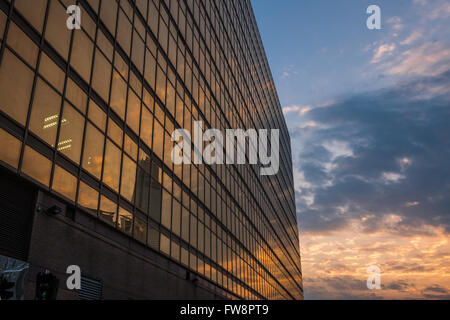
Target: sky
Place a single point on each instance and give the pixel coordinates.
(368, 113)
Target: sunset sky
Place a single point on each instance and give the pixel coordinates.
(368, 113)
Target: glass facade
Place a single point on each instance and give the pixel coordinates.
(88, 115)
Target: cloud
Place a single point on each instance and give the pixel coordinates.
(296, 109)
(382, 52)
(396, 23)
(413, 37)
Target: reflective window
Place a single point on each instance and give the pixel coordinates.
(93, 151)
(88, 198)
(111, 171)
(15, 77)
(10, 147)
(36, 166)
(45, 113)
(71, 134)
(64, 183)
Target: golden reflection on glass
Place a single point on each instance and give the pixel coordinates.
(81, 57)
(133, 111)
(102, 75)
(140, 230)
(88, 198)
(175, 251)
(15, 77)
(76, 95)
(23, 45)
(93, 151)
(10, 147)
(35, 14)
(176, 217)
(128, 178)
(108, 210)
(51, 72)
(36, 166)
(71, 134)
(64, 183)
(97, 115)
(125, 221)
(165, 244)
(57, 36)
(118, 95)
(111, 171)
(45, 113)
(130, 147)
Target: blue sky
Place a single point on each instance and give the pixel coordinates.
(368, 113)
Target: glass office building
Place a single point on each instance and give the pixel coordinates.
(86, 118)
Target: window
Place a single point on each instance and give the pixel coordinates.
(102, 76)
(97, 115)
(147, 127)
(71, 135)
(165, 244)
(81, 57)
(166, 210)
(111, 171)
(176, 217)
(57, 36)
(51, 72)
(133, 111)
(125, 221)
(93, 151)
(64, 183)
(15, 77)
(108, 210)
(77, 96)
(118, 95)
(140, 230)
(23, 45)
(36, 166)
(34, 14)
(45, 113)
(128, 178)
(88, 198)
(10, 147)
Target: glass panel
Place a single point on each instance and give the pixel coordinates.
(36, 166)
(166, 210)
(64, 183)
(155, 200)
(93, 151)
(15, 77)
(10, 147)
(128, 178)
(51, 72)
(185, 225)
(71, 135)
(118, 95)
(147, 127)
(88, 198)
(23, 45)
(111, 171)
(165, 244)
(125, 222)
(77, 96)
(175, 251)
(140, 230)
(184, 256)
(142, 188)
(97, 115)
(57, 36)
(176, 217)
(130, 147)
(133, 111)
(108, 210)
(153, 238)
(115, 133)
(102, 76)
(45, 113)
(81, 58)
(35, 14)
